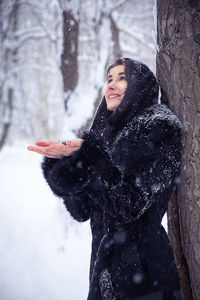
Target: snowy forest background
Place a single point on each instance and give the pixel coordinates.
(53, 58)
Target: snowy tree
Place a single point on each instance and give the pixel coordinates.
(69, 57)
(7, 61)
(54, 55)
(30, 56)
(107, 30)
(178, 70)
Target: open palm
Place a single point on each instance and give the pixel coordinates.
(56, 150)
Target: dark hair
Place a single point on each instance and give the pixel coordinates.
(118, 62)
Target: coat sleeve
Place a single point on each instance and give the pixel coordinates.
(72, 178)
(149, 167)
(61, 175)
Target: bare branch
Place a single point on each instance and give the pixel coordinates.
(38, 18)
(140, 17)
(117, 5)
(19, 43)
(135, 37)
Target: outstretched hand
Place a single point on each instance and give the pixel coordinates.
(56, 150)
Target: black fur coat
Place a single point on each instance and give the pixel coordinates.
(121, 179)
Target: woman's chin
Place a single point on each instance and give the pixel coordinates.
(112, 106)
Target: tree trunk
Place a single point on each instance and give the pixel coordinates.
(69, 58)
(178, 72)
(8, 20)
(115, 37)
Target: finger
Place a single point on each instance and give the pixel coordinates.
(45, 144)
(40, 150)
(44, 151)
(37, 149)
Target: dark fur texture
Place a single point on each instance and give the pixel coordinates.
(121, 179)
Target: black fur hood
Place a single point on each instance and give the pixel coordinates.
(141, 92)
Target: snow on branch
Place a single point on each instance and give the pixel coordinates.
(143, 16)
(17, 43)
(141, 40)
(31, 66)
(36, 11)
(118, 4)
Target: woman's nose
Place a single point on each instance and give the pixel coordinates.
(111, 85)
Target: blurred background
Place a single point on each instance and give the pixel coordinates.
(53, 57)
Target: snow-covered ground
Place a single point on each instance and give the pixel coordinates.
(44, 254)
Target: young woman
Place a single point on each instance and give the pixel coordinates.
(120, 176)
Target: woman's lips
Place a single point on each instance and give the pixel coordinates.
(113, 96)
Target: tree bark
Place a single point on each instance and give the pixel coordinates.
(69, 58)
(115, 37)
(7, 59)
(178, 72)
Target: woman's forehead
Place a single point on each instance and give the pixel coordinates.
(116, 70)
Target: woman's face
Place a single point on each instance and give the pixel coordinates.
(116, 87)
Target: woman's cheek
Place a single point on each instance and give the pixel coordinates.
(123, 87)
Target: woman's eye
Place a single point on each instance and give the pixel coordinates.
(120, 78)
